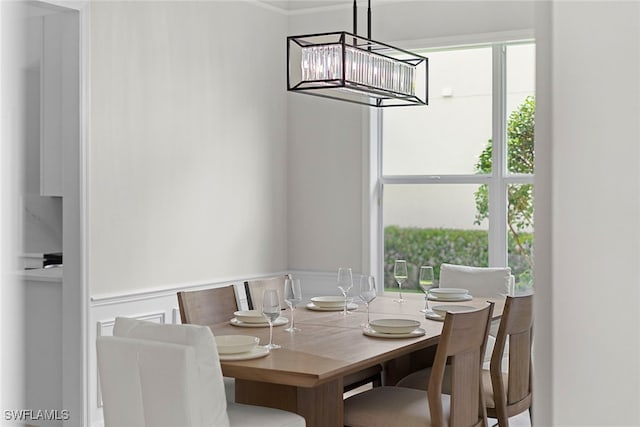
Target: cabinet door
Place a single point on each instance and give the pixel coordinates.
(60, 100)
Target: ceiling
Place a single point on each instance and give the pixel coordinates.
(297, 5)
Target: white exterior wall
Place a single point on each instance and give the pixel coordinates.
(447, 136)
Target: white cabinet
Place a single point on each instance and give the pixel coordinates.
(59, 100)
(43, 345)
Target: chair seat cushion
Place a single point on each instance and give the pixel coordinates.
(241, 415)
(230, 389)
(488, 388)
(390, 406)
(419, 380)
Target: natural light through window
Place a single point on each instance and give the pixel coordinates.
(457, 175)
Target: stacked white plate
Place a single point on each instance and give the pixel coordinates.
(239, 347)
(255, 319)
(394, 328)
(449, 294)
(329, 303)
(440, 311)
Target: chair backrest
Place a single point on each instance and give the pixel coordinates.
(490, 282)
(148, 383)
(516, 325)
(211, 393)
(462, 342)
(207, 306)
(255, 289)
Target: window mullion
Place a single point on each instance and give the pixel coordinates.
(497, 187)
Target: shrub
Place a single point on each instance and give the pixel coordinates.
(434, 246)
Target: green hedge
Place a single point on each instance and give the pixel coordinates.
(434, 246)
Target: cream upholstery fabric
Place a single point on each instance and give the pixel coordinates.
(139, 391)
(480, 281)
(259, 416)
(371, 408)
(184, 391)
(488, 389)
(419, 380)
(489, 282)
(229, 389)
(211, 385)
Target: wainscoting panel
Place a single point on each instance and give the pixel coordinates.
(161, 306)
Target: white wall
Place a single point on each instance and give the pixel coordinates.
(328, 140)
(12, 134)
(588, 230)
(188, 156)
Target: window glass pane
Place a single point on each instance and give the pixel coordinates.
(448, 135)
(428, 224)
(520, 107)
(520, 234)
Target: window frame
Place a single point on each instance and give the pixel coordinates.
(498, 181)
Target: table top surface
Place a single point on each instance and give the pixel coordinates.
(331, 345)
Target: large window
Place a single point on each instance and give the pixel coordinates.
(456, 176)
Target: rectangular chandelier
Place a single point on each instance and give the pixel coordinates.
(348, 67)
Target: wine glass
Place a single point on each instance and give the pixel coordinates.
(400, 274)
(367, 292)
(292, 296)
(425, 280)
(271, 310)
(345, 282)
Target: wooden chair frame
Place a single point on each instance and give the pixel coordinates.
(516, 326)
(460, 349)
(255, 288)
(207, 306)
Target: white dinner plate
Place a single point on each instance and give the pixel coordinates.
(257, 352)
(350, 306)
(278, 322)
(415, 333)
(443, 299)
(432, 315)
(456, 308)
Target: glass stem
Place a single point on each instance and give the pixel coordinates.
(293, 309)
(368, 321)
(426, 301)
(270, 333)
(344, 313)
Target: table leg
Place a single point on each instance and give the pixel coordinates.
(321, 406)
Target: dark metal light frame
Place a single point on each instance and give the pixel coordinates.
(378, 80)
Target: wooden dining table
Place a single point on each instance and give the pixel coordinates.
(306, 374)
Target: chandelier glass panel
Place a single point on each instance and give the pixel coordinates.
(352, 68)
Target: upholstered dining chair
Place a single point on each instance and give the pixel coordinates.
(463, 338)
(206, 307)
(488, 282)
(506, 393)
(156, 375)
